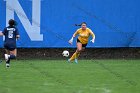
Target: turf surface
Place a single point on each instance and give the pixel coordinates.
(58, 76)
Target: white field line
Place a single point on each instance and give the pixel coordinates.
(103, 89)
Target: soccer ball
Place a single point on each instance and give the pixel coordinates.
(65, 53)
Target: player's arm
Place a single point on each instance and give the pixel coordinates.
(1, 34)
(93, 36)
(74, 35)
(17, 34)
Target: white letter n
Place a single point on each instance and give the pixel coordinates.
(33, 30)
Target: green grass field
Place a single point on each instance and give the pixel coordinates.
(58, 76)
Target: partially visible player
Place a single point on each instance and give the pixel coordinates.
(82, 40)
(11, 35)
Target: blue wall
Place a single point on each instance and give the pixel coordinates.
(116, 23)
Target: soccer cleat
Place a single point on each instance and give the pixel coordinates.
(6, 57)
(7, 65)
(76, 61)
(68, 61)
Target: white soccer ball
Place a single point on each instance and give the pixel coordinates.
(65, 53)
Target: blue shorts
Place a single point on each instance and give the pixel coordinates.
(10, 48)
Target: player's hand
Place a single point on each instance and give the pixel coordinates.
(71, 41)
(93, 40)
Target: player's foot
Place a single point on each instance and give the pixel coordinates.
(7, 65)
(6, 57)
(68, 61)
(76, 61)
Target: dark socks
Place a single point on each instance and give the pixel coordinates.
(12, 57)
(8, 61)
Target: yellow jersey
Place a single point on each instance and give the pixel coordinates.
(84, 35)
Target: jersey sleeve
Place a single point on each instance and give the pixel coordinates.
(4, 31)
(76, 33)
(91, 33)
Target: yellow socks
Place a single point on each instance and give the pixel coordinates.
(74, 56)
(77, 55)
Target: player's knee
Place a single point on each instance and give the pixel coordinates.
(79, 50)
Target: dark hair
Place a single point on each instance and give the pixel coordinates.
(12, 22)
(83, 23)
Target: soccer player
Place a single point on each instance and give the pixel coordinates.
(82, 40)
(11, 35)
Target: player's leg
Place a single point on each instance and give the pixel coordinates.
(77, 53)
(79, 49)
(11, 55)
(7, 52)
(83, 47)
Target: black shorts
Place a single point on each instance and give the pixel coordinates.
(83, 45)
(10, 48)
